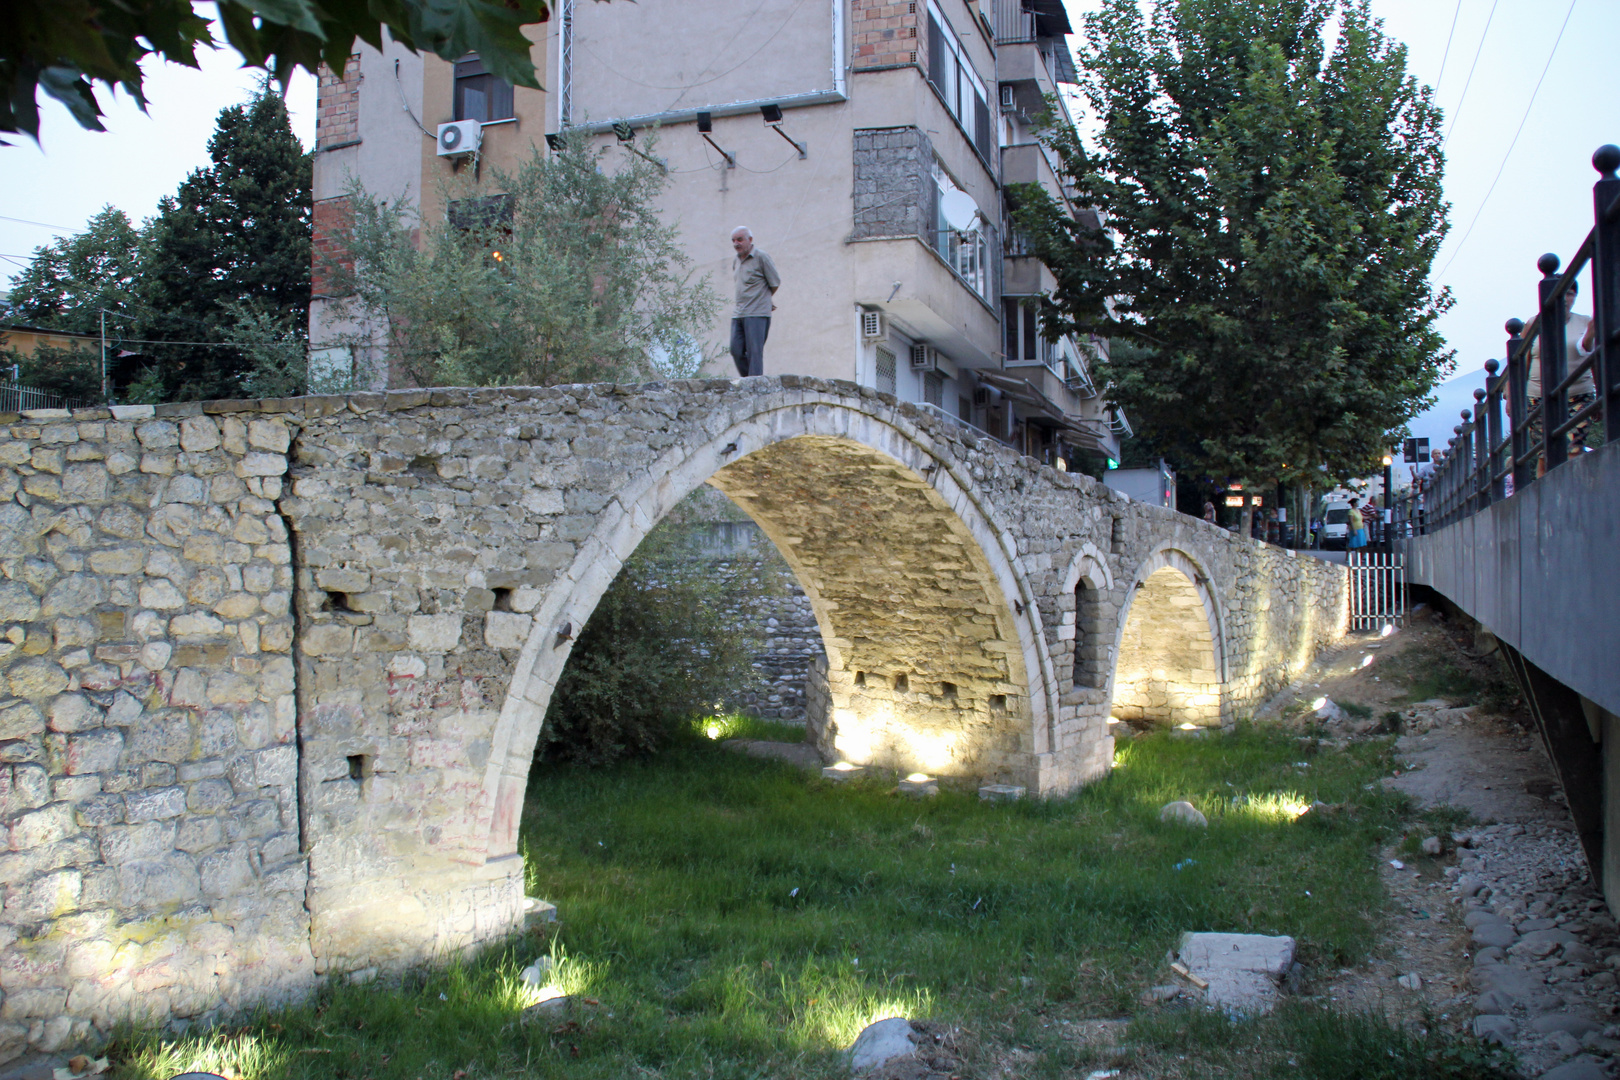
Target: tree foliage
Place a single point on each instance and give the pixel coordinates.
(68, 283)
(1273, 210)
(232, 244)
(568, 275)
(65, 47)
(660, 648)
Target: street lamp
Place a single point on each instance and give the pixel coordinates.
(1389, 482)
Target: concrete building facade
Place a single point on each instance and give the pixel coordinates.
(867, 145)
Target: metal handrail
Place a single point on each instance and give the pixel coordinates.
(1487, 461)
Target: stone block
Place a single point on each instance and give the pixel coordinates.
(36, 828)
(154, 805)
(506, 630)
(94, 751)
(434, 633)
(329, 639)
(20, 720)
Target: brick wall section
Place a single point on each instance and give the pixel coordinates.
(337, 104)
(328, 256)
(886, 34)
(893, 182)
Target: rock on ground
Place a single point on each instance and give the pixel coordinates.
(1183, 811)
(880, 1043)
(1243, 970)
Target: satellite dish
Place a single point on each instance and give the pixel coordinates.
(959, 209)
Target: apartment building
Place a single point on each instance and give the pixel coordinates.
(868, 144)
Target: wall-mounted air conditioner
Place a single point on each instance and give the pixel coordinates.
(1007, 102)
(460, 137)
(873, 327)
(923, 358)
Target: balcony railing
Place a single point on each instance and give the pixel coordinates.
(1488, 460)
(1013, 22)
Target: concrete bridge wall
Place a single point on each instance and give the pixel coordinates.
(274, 671)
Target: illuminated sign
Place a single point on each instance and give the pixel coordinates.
(1234, 500)
(1256, 500)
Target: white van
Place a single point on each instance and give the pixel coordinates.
(1336, 524)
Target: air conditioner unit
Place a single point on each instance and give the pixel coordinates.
(923, 358)
(1007, 97)
(872, 326)
(460, 137)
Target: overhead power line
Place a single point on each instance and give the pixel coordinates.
(41, 224)
(1470, 80)
(1513, 142)
(1447, 54)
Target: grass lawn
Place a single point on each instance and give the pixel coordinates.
(733, 918)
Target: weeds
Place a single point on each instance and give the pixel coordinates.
(727, 917)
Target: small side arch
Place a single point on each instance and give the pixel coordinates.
(1170, 655)
(1085, 585)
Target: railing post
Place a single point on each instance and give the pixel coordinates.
(1606, 285)
(1518, 406)
(1482, 456)
(1554, 406)
(1493, 433)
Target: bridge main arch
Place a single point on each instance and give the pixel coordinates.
(935, 659)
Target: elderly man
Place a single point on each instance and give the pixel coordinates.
(757, 282)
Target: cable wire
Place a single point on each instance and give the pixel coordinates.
(41, 224)
(1470, 80)
(1512, 143)
(1447, 54)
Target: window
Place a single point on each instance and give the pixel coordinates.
(479, 95)
(967, 252)
(934, 389)
(1021, 324)
(953, 76)
(885, 370)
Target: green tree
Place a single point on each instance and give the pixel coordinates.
(65, 47)
(567, 275)
(1272, 214)
(68, 283)
(232, 244)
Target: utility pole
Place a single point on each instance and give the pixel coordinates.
(105, 394)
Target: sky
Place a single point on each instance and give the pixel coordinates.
(1483, 56)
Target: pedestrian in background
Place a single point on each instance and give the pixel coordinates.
(1357, 526)
(757, 282)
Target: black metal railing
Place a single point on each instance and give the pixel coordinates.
(1491, 456)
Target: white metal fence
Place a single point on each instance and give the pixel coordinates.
(16, 398)
(1377, 590)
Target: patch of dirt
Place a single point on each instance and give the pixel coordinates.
(801, 754)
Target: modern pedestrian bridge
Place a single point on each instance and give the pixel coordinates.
(275, 670)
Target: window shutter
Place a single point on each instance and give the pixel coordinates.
(936, 55)
(981, 126)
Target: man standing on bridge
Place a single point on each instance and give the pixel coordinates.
(757, 282)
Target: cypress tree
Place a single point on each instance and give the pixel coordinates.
(230, 248)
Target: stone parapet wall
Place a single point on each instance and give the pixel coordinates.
(149, 785)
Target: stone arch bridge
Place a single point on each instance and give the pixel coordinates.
(274, 670)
